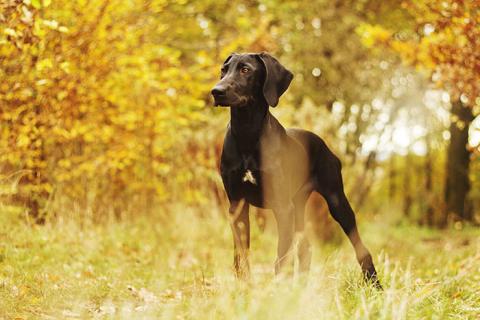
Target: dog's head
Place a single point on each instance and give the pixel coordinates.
(250, 77)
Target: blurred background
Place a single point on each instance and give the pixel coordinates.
(111, 204)
(105, 108)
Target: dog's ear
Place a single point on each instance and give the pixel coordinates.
(277, 78)
(229, 57)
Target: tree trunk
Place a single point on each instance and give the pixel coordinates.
(365, 181)
(392, 174)
(407, 196)
(457, 183)
(428, 167)
(36, 179)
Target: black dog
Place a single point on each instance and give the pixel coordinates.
(268, 166)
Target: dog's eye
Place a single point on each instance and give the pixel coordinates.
(222, 72)
(244, 70)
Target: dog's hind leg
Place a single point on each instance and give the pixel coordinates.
(342, 212)
(304, 251)
(285, 226)
(304, 254)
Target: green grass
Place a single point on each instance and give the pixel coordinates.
(180, 268)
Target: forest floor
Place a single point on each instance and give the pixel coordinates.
(180, 268)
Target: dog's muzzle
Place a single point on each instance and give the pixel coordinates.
(219, 95)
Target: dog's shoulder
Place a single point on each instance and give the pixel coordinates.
(230, 155)
(315, 146)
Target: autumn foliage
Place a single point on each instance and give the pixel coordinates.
(105, 106)
(91, 107)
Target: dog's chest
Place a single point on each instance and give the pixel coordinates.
(250, 170)
(249, 177)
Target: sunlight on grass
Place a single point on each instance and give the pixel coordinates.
(180, 267)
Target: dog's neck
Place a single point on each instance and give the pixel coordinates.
(247, 123)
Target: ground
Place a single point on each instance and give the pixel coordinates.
(178, 266)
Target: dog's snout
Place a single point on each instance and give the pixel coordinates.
(218, 91)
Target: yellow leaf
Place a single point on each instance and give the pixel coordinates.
(10, 32)
(44, 64)
(23, 141)
(52, 24)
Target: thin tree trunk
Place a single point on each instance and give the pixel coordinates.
(457, 183)
(365, 184)
(36, 177)
(407, 196)
(391, 179)
(428, 168)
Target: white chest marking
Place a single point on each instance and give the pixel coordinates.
(249, 177)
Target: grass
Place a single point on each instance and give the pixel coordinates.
(180, 268)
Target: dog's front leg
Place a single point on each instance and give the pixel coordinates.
(284, 216)
(240, 223)
(276, 193)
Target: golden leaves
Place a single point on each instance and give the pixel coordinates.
(445, 44)
(373, 34)
(89, 101)
(10, 32)
(38, 4)
(23, 141)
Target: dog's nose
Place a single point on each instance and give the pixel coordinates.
(218, 91)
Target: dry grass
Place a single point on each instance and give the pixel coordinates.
(180, 267)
